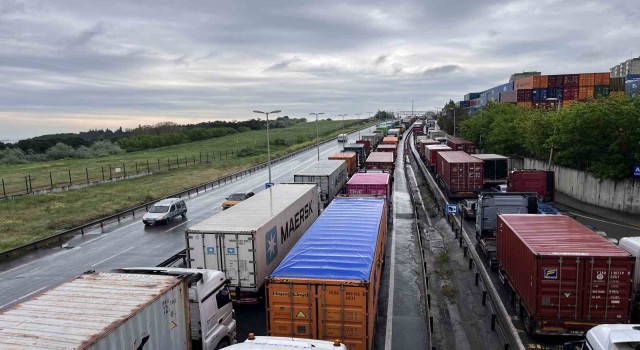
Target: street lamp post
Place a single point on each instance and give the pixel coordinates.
(342, 115)
(358, 114)
(317, 134)
(268, 145)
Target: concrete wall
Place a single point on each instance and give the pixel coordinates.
(623, 195)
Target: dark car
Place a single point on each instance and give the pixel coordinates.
(235, 199)
(468, 208)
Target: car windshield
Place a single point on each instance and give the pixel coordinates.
(237, 197)
(159, 209)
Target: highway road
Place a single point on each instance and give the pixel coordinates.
(129, 243)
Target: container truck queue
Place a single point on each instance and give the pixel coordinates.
(312, 249)
(562, 277)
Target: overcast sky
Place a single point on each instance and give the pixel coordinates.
(67, 66)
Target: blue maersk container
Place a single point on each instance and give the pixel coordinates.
(341, 243)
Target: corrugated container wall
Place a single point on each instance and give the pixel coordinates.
(571, 80)
(380, 161)
(350, 157)
(463, 104)
(556, 81)
(460, 174)
(329, 175)
(471, 96)
(509, 97)
(602, 79)
(601, 91)
(568, 278)
(327, 286)
(570, 93)
(632, 88)
(370, 184)
(525, 95)
(616, 84)
(587, 79)
(474, 103)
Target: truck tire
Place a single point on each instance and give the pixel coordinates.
(223, 344)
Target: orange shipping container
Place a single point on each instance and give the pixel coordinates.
(585, 92)
(390, 140)
(350, 157)
(602, 79)
(567, 103)
(534, 82)
(524, 104)
(335, 297)
(587, 79)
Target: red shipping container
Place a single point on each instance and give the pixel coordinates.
(371, 184)
(570, 93)
(602, 79)
(460, 174)
(380, 161)
(538, 181)
(571, 80)
(525, 95)
(387, 148)
(423, 143)
(566, 277)
(585, 92)
(556, 81)
(587, 79)
(509, 96)
(458, 144)
(431, 154)
(367, 145)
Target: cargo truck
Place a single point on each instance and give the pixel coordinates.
(492, 204)
(496, 169)
(359, 149)
(388, 148)
(329, 175)
(138, 308)
(431, 155)
(381, 161)
(563, 278)
(249, 240)
(370, 184)
(435, 134)
(373, 139)
(327, 287)
(422, 143)
(351, 158)
(395, 133)
(459, 174)
(367, 145)
(538, 181)
(458, 144)
(608, 337)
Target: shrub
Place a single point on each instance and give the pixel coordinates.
(60, 151)
(14, 156)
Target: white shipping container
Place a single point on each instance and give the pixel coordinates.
(329, 175)
(250, 239)
(102, 311)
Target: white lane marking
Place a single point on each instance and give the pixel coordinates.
(171, 229)
(96, 240)
(607, 222)
(111, 257)
(51, 257)
(22, 297)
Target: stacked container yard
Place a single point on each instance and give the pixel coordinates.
(350, 158)
(327, 286)
(370, 184)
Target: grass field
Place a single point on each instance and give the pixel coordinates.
(28, 218)
(220, 152)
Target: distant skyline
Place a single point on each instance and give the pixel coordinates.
(73, 65)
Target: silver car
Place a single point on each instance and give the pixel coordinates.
(165, 211)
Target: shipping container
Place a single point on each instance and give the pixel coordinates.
(367, 145)
(529, 180)
(585, 92)
(417, 139)
(525, 95)
(327, 286)
(471, 96)
(372, 138)
(547, 105)
(602, 78)
(387, 148)
(358, 148)
(571, 80)
(329, 175)
(570, 93)
(382, 130)
(376, 184)
(423, 143)
(509, 97)
(381, 161)
(616, 84)
(586, 79)
(532, 82)
(458, 144)
(495, 169)
(554, 93)
(539, 94)
(525, 104)
(350, 158)
(601, 91)
(417, 130)
(459, 174)
(566, 278)
(248, 240)
(567, 103)
(474, 103)
(463, 104)
(431, 154)
(483, 98)
(394, 133)
(556, 81)
(632, 88)
(390, 140)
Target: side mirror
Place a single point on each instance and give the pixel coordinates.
(227, 198)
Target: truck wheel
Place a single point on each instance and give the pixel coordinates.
(184, 215)
(223, 344)
(528, 324)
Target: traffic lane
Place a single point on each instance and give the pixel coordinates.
(127, 245)
(613, 228)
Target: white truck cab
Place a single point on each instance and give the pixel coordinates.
(609, 337)
(213, 321)
(279, 343)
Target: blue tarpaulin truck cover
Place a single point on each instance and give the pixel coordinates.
(340, 245)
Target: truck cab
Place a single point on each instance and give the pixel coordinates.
(213, 324)
(608, 337)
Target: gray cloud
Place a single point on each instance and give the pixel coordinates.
(284, 64)
(381, 59)
(87, 35)
(446, 69)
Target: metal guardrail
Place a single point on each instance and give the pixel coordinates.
(61, 236)
(500, 320)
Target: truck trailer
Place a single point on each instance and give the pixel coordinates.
(564, 278)
(459, 174)
(329, 175)
(249, 240)
(138, 308)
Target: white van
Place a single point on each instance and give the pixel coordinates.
(342, 138)
(164, 211)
